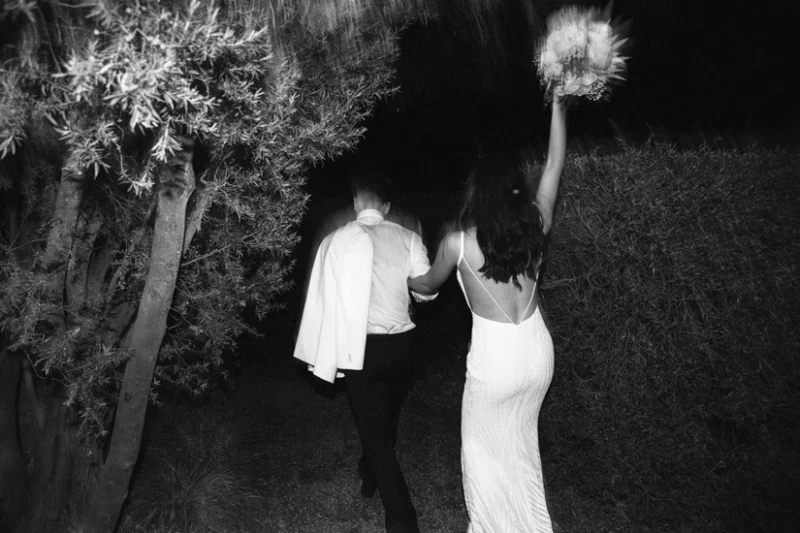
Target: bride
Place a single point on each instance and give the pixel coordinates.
(497, 251)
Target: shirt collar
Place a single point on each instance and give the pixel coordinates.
(369, 213)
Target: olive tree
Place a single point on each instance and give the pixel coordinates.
(153, 158)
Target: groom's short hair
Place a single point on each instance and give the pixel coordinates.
(374, 185)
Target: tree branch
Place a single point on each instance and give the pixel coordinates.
(78, 268)
(11, 208)
(206, 256)
(123, 316)
(138, 235)
(30, 388)
(202, 198)
(65, 218)
(98, 268)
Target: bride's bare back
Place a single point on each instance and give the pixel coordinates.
(500, 302)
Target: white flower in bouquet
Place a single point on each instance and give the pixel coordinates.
(588, 78)
(567, 41)
(552, 67)
(557, 45)
(600, 45)
(580, 54)
(571, 85)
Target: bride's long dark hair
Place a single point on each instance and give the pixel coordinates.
(508, 224)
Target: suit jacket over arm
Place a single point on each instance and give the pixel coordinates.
(333, 327)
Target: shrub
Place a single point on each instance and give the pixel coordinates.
(191, 496)
(671, 293)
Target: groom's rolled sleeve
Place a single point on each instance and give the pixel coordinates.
(420, 264)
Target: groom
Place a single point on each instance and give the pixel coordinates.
(375, 355)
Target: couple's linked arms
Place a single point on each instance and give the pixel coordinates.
(445, 261)
(447, 254)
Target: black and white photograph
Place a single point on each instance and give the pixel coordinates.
(399, 266)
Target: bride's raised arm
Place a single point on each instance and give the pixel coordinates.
(556, 153)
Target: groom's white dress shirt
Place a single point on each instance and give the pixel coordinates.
(358, 286)
(398, 254)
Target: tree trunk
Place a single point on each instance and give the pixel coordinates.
(52, 485)
(202, 201)
(59, 245)
(13, 478)
(147, 332)
(65, 217)
(62, 473)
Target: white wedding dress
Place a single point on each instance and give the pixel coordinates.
(509, 369)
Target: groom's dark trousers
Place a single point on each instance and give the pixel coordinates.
(377, 393)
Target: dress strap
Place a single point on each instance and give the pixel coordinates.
(533, 293)
(461, 250)
(489, 293)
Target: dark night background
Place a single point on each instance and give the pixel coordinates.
(697, 67)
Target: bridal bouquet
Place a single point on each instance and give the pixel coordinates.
(580, 55)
